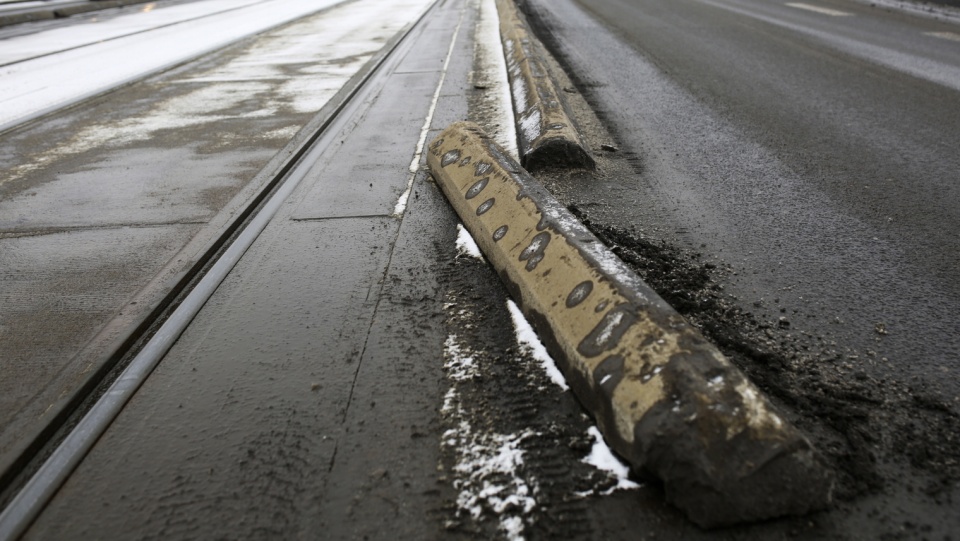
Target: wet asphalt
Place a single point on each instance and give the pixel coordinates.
(815, 154)
(788, 178)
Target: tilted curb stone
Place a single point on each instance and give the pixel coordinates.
(546, 136)
(665, 398)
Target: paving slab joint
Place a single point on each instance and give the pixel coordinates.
(546, 133)
(664, 397)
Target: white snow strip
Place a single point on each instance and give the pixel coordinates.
(528, 338)
(465, 243)
(92, 30)
(819, 9)
(327, 49)
(495, 75)
(34, 87)
(415, 162)
(602, 458)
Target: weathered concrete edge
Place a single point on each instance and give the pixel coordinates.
(546, 133)
(665, 398)
(43, 13)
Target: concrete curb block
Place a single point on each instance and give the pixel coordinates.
(63, 10)
(665, 398)
(546, 135)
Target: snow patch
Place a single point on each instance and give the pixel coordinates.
(526, 337)
(465, 243)
(488, 471)
(335, 45)
(33, 87)
(493, 69)
(459, 362)
(602, 458)
(93, 31)
(757, 413)
(530, 124)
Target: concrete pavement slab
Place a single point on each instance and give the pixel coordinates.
(370, 170)
(297, 400)
(183, 152)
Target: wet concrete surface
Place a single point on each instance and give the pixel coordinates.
(104, 207)
(303, 398)
(355, 187)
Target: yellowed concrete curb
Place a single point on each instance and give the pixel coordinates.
(665, 398)
(546, 135)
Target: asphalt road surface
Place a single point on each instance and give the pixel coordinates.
(815, 153)
(784, 175)
(787, 176)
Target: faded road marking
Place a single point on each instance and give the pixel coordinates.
(415, 162)
(818, 9)
(952, 36)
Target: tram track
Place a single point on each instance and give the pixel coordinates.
(44, 462)
(34, 88)
(99, 38)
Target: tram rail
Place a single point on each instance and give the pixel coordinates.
(46, 461)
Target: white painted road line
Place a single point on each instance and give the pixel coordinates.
(818, 9)
(401, 205)
(952, 36)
